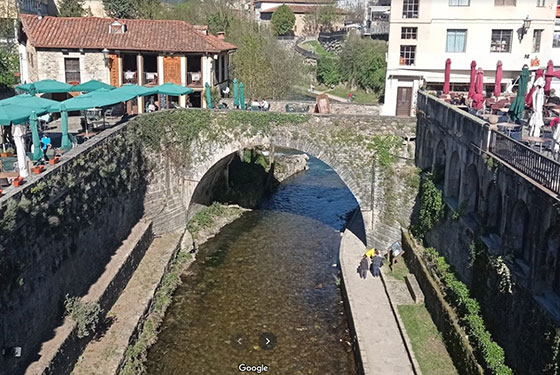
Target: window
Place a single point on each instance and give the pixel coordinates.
(408, 54)
(72, 70)
(409, 33)
(410, 9)
(459, 3)
(537, 40)
(540, 3)
(501, 41)
(504, 2)
(456, 41)
(556, 40)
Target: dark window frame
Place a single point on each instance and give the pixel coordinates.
(72, 73)
(537, 40)
(468, 3)
(411, 8)
(409, 32)
(503, 35)
(447, 40)
(407, 55)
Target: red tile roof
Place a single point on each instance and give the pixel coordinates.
(140, 35)
(301, 9)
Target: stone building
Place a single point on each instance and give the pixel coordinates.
(424, 34)
(143, 52)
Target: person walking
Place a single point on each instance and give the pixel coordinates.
(371, 253)
(364, 266)
(376, 264)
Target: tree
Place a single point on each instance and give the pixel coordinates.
(283, 20)
(149, 9)
(71, 8)
(362, 63)
(321, 19)
(328, 71)
(120, 8)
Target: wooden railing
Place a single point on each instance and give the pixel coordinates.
(535, 165)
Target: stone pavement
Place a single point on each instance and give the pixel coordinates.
(382, 348)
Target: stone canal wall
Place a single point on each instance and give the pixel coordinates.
(57, 234)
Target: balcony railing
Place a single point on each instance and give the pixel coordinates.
(150, 78)
(194, 78)
(540, 168)
(130, 77)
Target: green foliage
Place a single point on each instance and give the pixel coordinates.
(71, 8)
(328, 71)
(283, 20)
(488, 353)
(120, 8)
(148, 9)
(362, 63)
(431, 207)
(323, 18)
(460, 211)
(205, 217)
(505, 283)
(215, 95)
(9, 65)
(85, 314)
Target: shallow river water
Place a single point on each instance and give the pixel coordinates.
(271, 271)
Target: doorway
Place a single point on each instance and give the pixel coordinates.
(404, 101)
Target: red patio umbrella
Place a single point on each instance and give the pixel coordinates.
(447, 74)
(498, 82)
(548, 79)
(471, 87)
(479, 85)
(529, 96)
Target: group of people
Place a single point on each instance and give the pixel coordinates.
(376, 263)
(263, 105)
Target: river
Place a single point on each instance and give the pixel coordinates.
(274, 270)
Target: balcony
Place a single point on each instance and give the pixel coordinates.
(130, 76)
(150, 78)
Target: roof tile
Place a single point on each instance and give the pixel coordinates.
(140, 35)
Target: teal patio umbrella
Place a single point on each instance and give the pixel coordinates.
(208, 96)
(46, 86)
(129, 91)
(28, 100)
(173, 89)
(16, 114)
(518, 106)
(37, 152)
(92, 85)
(242, 95)
(98, 98)
(235, 93)
(65, 144)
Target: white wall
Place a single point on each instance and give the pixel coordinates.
(436, 17)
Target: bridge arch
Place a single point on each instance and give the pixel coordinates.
(438, 163)
(428, 152)
(518, 229)
(453, 176)
(471, 189)
(493, 207)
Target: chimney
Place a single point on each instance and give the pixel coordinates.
(221, 35)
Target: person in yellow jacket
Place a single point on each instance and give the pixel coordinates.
(370, 253)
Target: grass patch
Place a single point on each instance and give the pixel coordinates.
(316, 47)
(399, 270)
(360, 96)
(205, 218)
(426, 341)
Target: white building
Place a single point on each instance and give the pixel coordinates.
(424, 33)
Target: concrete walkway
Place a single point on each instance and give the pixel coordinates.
(381, 345)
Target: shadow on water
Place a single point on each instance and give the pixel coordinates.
(273, 270)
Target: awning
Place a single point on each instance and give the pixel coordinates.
(46, 86)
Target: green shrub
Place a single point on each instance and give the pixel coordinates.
(431, 207)
(490, 355)
(328, 71)
(283, 20)
(85, 314)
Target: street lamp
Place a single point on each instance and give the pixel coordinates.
(106, 56)
(523, 30)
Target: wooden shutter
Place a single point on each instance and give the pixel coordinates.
(172, 69)
(114, 69)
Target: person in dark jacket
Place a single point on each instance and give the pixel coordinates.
(364, 266)
(376, 264)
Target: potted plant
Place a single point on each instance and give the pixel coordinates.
(38, 169)
(18, 181)
(9, 152)
(54, 160)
